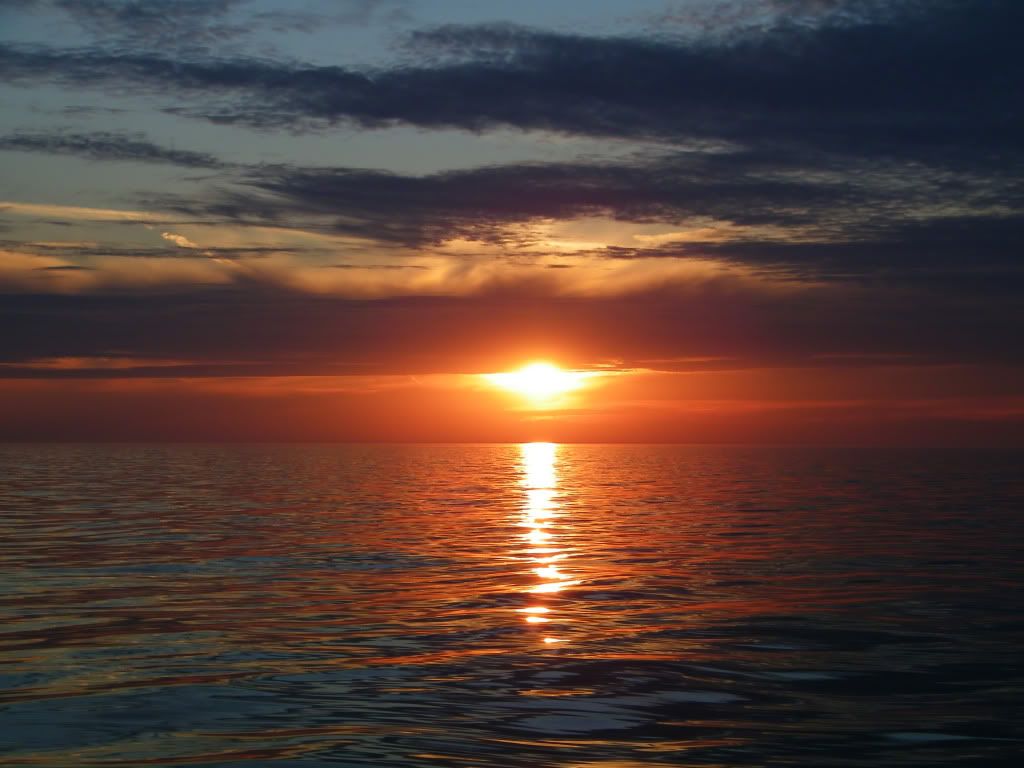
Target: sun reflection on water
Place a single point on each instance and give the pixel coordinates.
(540, 484)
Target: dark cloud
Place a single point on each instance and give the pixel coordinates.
(275, 332)
(936, 246)
(107, 147)
(883, 142)
(79, 250)
(879, 86)
(945, 74)
(480, 203)
(739, 17)
(978, 254)
(850, 126)
(157, 23)
(203, 25)
(827, 224)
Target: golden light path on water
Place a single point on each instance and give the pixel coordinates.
(540, 510)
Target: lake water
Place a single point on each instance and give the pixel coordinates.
(534, 605)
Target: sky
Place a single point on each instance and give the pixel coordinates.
(746, 220)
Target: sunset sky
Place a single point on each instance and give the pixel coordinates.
(743, 220)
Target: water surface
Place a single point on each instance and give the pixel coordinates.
(536, 605)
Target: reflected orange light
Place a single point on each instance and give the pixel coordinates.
(539, 468)
(540, 501)
(540, 484)
(550, 558)
(553, 586)
(537, 536)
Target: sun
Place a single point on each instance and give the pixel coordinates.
(539, 381)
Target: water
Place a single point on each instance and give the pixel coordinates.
(537, 605)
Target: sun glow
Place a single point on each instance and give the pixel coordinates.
(539, 381)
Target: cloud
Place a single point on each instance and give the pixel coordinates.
(943, 73)
(358, 13)
(441, 274)
(482, 203)
(99, 363)
(192, 25)
(30, 273)
(179, 240)
(107, 146)
(928, 250)
(75, 212)
(745, 209)
(844, 185)
(859, 117)
(827, 217)
(723, 324)
(71, 249)
(806, 217)
(153, 23)
(732, 18)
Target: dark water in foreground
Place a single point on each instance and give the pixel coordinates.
(597, 606)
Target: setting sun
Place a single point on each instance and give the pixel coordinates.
(539, 381)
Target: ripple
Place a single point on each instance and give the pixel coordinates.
(508, 606)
